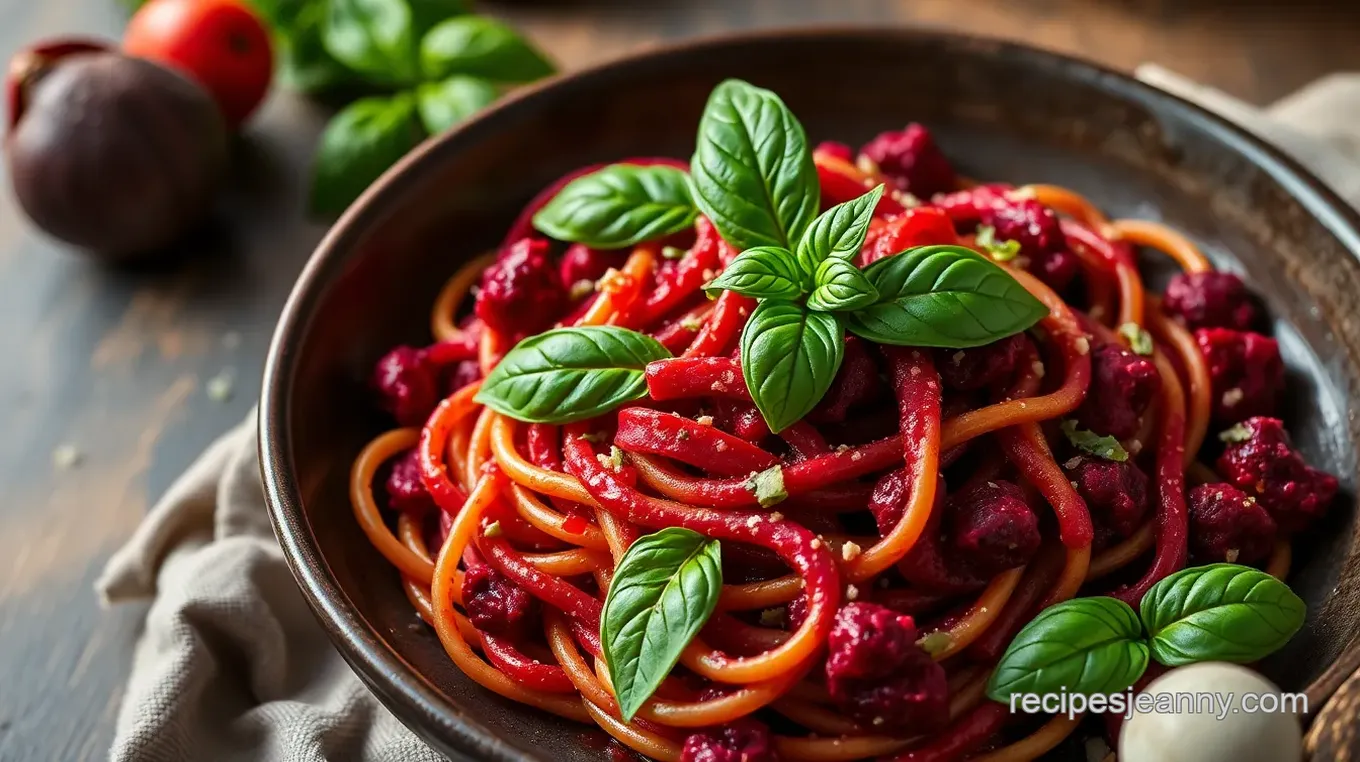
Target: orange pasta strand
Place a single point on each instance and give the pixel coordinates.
(1158, 236)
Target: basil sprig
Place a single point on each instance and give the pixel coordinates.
(1222, 612)
(570, 374)
(1085, 645)
(618, 206)
(665, 588)
(752, 175)
(452, 63)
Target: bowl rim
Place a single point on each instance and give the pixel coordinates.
(414, 699)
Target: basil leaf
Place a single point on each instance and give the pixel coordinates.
(1220, 612)
(304, 64)
(1084, 645)
(765, 272)
(1000, 251)
(444, 104)
(664, 589)
(768, 486)
(358, 145)
(789, 357)
(280, 13)
(1140, 341)
(1106, 447)
(618, 206)
(752, 172)
(570, 374)
(841, 287)
(943, 296)
(373, 37)
(427, 14)
(481, 47)
(838, 232)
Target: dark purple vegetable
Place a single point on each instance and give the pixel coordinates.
(115, 155)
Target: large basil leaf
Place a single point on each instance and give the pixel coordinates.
(444, 104)
(570, 374)
(374, 37)
(752, 172)
(943, 296)
(358, 145)
(481, 47)
(837, 232)
(1220, 612)
(1085, 645)
(618, 206)
(789, 357)
(765, 272)
(841, 287)
(664, 589)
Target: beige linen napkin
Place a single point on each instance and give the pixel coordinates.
(232, 665)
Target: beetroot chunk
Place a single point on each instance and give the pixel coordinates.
(856, 383)
(912, 161)
(925, 566)
(877, 674)
(1116, 494)
(966, 207)
(743, 740)
(521, 293)
(1122, 386)
(980, 367)
(406, 493)
(496, 603)
(464, 373)
(993, 528)
(969, 538)
(407, 383)
(1041, 239)
(1043, 247)
(582, 263)
(1211, 300)
(1261, 461)
(1228, 525)
(1246, 372)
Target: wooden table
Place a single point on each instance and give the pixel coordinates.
(116, 364)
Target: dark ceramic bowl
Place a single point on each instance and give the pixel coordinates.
(1001, 111)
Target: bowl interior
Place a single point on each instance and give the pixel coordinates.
(1001, 112)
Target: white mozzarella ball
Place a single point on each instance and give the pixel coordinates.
(1192, 735)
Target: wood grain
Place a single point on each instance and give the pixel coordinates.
(114, 363)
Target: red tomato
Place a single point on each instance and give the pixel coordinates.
(221, 44)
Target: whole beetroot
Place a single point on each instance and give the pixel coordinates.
(116, 155)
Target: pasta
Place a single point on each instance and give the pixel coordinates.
(964, 488)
